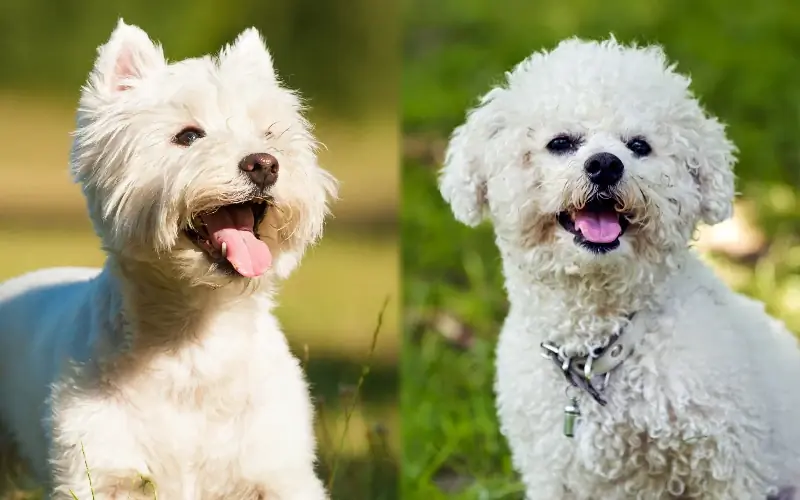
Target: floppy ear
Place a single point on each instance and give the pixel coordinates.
(462, 181)
(711, 159)
(128, 56)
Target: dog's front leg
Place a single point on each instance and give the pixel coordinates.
(99, 472)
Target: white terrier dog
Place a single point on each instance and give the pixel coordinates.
(595, 164)
(167, 366)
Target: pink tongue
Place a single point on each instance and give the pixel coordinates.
(597, 227)
(233, 225)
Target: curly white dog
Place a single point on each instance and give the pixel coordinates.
(595, 164)
(167, 367)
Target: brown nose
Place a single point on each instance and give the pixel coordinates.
(262, 168)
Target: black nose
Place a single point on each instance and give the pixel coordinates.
(604, 169)
(262, 168)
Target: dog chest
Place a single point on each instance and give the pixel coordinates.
(650, 437)
(216, 414)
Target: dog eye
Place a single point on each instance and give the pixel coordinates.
(562, 144)
(639, 147)
(187, 136)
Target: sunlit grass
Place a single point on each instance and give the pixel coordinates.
(343, 279)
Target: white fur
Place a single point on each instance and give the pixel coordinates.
(158, 365)
(707, 406)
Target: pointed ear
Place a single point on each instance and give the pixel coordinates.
(249, 53)
(462, 181)
(128, 56)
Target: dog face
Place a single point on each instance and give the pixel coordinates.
(204, 165)
(591, 154)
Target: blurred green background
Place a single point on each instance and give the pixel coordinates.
(344, 57)
(744, 58)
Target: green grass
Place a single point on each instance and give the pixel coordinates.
(454, 303)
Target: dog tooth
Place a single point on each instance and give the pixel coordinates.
(224, 249)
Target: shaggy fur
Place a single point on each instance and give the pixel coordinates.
(166, 365)
(707, 406)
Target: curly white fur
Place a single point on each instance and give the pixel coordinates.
(160, 366)
(706, 407)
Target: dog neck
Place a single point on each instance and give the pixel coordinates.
(586, 307)
(156, 311)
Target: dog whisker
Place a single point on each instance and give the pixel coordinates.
(287, 129)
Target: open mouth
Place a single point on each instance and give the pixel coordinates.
(229, 236)
(597, 226)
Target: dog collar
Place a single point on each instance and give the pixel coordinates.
(584, 371)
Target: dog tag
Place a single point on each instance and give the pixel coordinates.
(571, 415)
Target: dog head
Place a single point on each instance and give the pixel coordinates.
(589, 154)
(204, 165)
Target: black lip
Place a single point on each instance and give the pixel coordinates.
(596, 204)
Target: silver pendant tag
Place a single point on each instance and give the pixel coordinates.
(571, 415)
